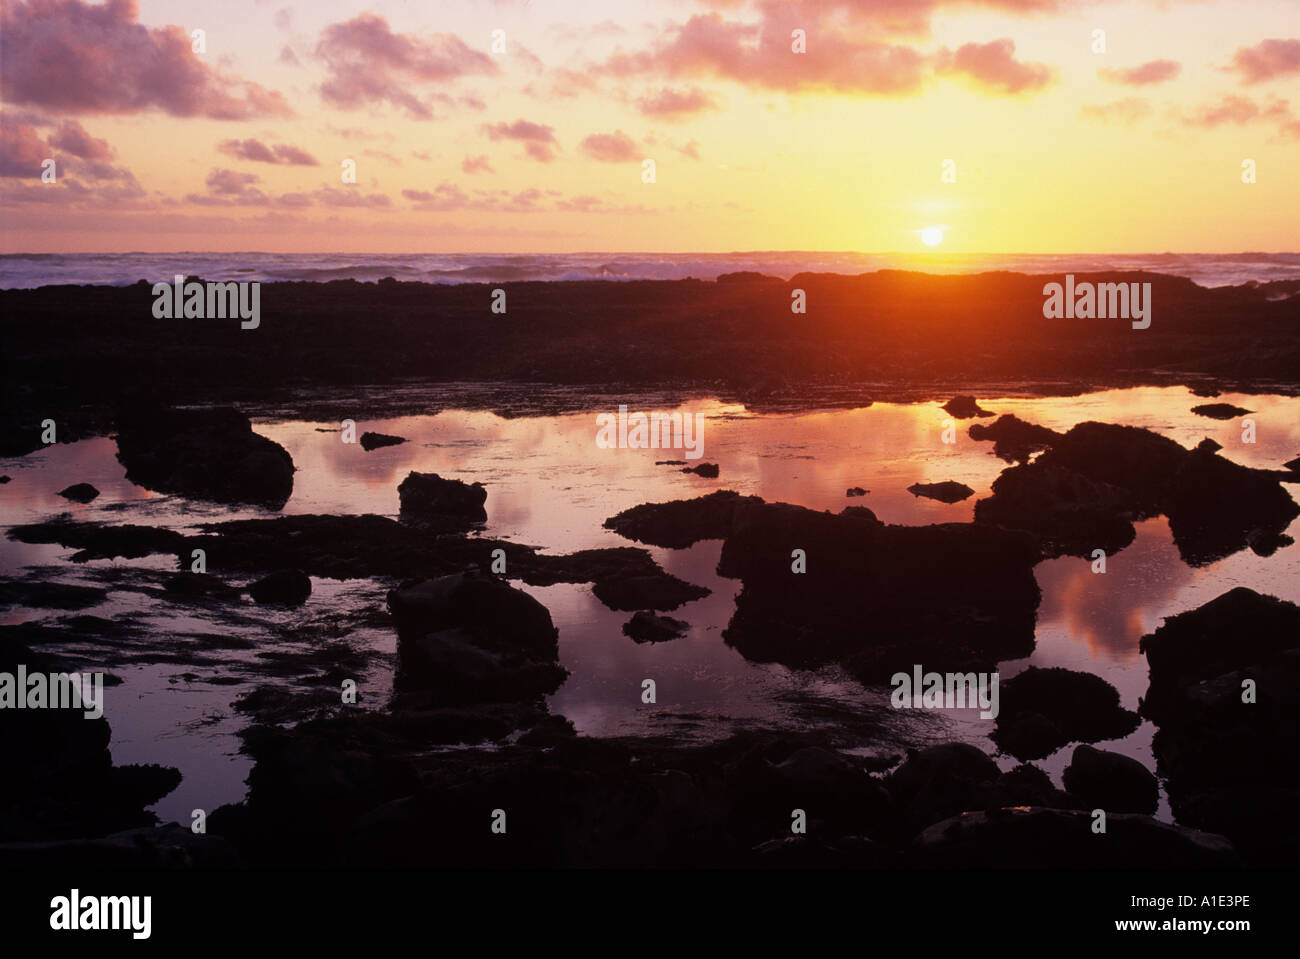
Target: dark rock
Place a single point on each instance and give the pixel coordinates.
(151, 848)
(80, 493)
(1042, 710)
(202, 585)
(472, 638)
(1208, 392)
(1111, 781)
(96, 541)
(1071, 514)
(670, 462)
(682, 522)
(207, 453)
(372, 441)
(855, 491)
(289, 587)
(707, 470)
(1293, 465)
(1060, 838)
(446, 505)
(964, 407)
(1219, 411)
(946, 492)
(1014, 440)
(3, 480)
(1208, 445)
(49, 595)
(640, 591)
(866, 599)
(646, 627)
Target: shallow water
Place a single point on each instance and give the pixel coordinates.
(550, 485)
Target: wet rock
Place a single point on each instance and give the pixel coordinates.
(49, 595)
(946, 492)
(445, 505)
(707, 470)
(680, 523)
(1034, 837)
(373, 441)
(648, 628)
(670, 462)
(1071, 514)
(196, 585)
(4, 479)
(855, 491)
(80, 493)
(964, 407)
(1209, 392)
(1111, 781)
(161, 847)
(207, 454)
(96, 541)
(1219, 411)
(649, 590)
(1293, 465)
(472, 638)
(1042, 710)
(1225, 690)
(1213, 504)
(287, 587)
(1208, 445)
(866, 599)
(1014, 440)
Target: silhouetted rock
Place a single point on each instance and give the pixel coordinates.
(1219, 411)
(4, 479)
(1071, 514)
(645, 590)
(372, 441)
(97, 541)
(202, 584)
(707, 470)
(1042, 710)
(80, 493)
(288, 587)
(946, 492)
(37, 595)
(855, 491)
(1111, 781)
(964, 407)
(1293, 465)
(1017, 838)
(206, 453)
(471, 638)
(153, 847)
(1014, 440)
(646, 627)
(445, 505)
(1208, 445)
(682, 522)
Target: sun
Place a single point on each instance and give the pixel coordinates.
(932, 235)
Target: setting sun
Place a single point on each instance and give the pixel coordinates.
(932, 236)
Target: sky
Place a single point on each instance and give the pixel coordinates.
(980, 126)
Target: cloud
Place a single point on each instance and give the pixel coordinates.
(259, 152)
(1236, 110)
(368, 63)
(1267, 60)
(288, 56)
(670, 104)
(760, 55)
(538, 140)
(75, 57)
(476, 164)
(994, 67)
(616, 147)
(1123, 112)
(21, 149)
(1156, 71)
(81, 163)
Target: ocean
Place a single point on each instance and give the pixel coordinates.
(30, 270)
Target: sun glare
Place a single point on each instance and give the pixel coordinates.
(932, 236)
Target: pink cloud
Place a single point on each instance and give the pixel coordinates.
(616, 147)
(1156, 71)
(368, 63)
(670, 104)
(476, 164)
(1266, 60)
(994, 67)
(538, 140)
(259, 152)
(75, 57)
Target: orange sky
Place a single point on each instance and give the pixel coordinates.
(1056, 148)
